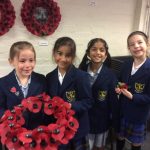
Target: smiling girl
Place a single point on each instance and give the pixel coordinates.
(22, 82)
(135, 101)
(96, 63)
(72, 85)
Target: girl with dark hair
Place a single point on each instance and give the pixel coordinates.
(86, 59)
(96, 63)
(71, 84)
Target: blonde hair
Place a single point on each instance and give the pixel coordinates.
(17, 47)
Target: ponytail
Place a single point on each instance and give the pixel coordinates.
(107, 61)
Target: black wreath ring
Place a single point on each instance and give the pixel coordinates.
(7, 16)
(41, 17)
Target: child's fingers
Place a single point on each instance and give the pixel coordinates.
(127, 93)
(118, 90)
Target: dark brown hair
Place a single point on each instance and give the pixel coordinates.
(65, 41)
(85, 59)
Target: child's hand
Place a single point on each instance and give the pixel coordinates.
(118, 90)
(126, 93)
(120, 86)
(123, 88)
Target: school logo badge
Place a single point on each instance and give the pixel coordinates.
(102, 95)
(71, 95)
(139, 87)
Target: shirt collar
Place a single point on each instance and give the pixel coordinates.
(61, 77)
(24, 86)
(91, 72)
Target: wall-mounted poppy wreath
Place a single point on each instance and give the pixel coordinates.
(7, 16)
(41, 17)
(15, 136)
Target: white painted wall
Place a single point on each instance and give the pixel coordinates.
(82, 20)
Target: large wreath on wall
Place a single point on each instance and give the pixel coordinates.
(7, 16)
(15, 136)
(41, 17)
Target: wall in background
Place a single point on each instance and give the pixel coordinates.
(81, 20)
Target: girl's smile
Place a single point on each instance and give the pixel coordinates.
(63, 58)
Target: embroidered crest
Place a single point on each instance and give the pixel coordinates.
(102, 95)
(139, 87)
(13, 90)
(71, 95)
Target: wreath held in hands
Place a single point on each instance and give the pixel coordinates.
(15, 136)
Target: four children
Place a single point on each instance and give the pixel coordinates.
(92, 93)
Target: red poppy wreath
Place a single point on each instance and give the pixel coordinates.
(41, 17)
(7, 16)
(15, 136)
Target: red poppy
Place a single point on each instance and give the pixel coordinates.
(33, 104)
(25, 137)
(122, 85)
(13, 118)
(46, 98)
(71, 128)
(60, 113)
(6, 115)
(49, 107)
(19, 116)
(13, 90)
(53, 144)
(4, 129)
(63, 109)
(43, 139)
(57, 131)
(53, 105)
(41, 136)
(12, 141)
(73, 124)
(62, 121)
(70, 112)
(58, 100)
(69, 134)
(37, 132)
